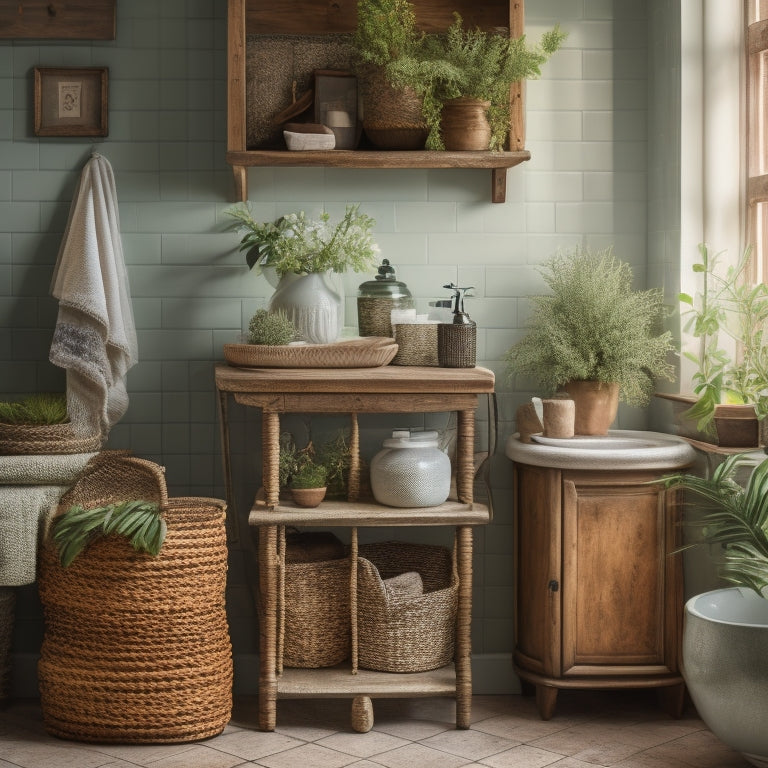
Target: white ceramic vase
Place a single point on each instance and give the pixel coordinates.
(312, 304)
(725, 667)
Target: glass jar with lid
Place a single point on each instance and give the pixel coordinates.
(377, 298)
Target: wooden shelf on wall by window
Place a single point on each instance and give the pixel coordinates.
(263, 17)
(497, 162)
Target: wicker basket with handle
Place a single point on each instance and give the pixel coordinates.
(136, 647)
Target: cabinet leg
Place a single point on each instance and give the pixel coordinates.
(546, 699)
(672, 699)
(362, 714)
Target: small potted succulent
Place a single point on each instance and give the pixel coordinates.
(308, 484)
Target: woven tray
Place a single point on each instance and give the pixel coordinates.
(369, 352)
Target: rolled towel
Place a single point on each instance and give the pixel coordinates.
(403, 587)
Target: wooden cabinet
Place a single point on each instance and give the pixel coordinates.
(599, 592)
(250, 19)
(389, 389)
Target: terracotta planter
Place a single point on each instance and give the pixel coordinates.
(307, 497)
(735, 426)
(596, 405)
(464, 124)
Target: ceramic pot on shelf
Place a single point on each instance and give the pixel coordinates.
(464, 124)
(311, 304)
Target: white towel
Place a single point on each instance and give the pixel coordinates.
(95, 335)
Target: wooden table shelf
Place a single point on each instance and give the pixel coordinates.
(388, 389)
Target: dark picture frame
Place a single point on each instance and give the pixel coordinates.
(336, 105)
(71, 102)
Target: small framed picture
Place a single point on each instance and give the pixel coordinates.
(71, 102)
(336, 105)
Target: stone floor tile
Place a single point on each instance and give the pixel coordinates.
(362, 744)
(522, 756)
(307, 756)
(470, 744)
(414, 755)
(253, 745)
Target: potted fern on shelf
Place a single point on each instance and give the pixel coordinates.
(593, 337)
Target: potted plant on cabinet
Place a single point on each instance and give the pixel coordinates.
(303, 252)
(730, 385)
(308, 484)
(726, 630)
(593, 337)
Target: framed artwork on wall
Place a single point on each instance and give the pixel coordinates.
(71, 102)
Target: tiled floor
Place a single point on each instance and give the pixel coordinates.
(612, 728)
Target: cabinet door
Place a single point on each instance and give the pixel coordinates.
(537, 553)
(620, 585)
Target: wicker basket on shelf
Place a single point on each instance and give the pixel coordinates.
(136, 647)
(406, 630)
(315, 604)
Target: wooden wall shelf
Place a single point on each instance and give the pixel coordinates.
(253, 17)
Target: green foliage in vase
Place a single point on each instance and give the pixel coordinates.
(735, 517)
(296, 243)
(139, 521)
(480, 65)
(40, 408)
(270, 328)
(594, 326)
(729, 307)
(311, 475)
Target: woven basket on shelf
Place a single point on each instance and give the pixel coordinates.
(7, 604)
(136, 647)
(416, 344)
(315, 606)
(409, 632)
(456, 345)
(37, 439)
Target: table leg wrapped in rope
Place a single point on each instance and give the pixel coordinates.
(136, 646)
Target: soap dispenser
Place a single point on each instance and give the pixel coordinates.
(457, 340)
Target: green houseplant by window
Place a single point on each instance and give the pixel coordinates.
(729, 310)
(593, 327)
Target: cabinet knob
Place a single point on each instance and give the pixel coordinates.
(553, 585)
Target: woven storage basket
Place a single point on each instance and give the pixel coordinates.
(136, 647)
(457, 345)
(7, 604)
(408, 633)
(37, 439)
(316, 605)
(417, 344)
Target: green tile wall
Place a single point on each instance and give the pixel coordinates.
(585, 184)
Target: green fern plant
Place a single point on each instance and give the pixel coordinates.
(594, 327)
(139, 521)
(735, 517)
(39, 408)
(310, 475)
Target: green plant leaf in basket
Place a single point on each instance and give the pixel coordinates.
(139, 521)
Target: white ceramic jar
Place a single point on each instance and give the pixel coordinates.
(411, 471)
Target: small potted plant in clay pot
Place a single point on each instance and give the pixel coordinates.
(594, 337)
(728, 319)
(308, 484)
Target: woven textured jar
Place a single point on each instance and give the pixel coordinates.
(136, 647)
(377, 298)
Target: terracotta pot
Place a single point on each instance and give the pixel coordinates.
(596, 405)
(464, 124)
(307, 497)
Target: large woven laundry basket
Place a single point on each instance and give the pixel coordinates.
(136, 647)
